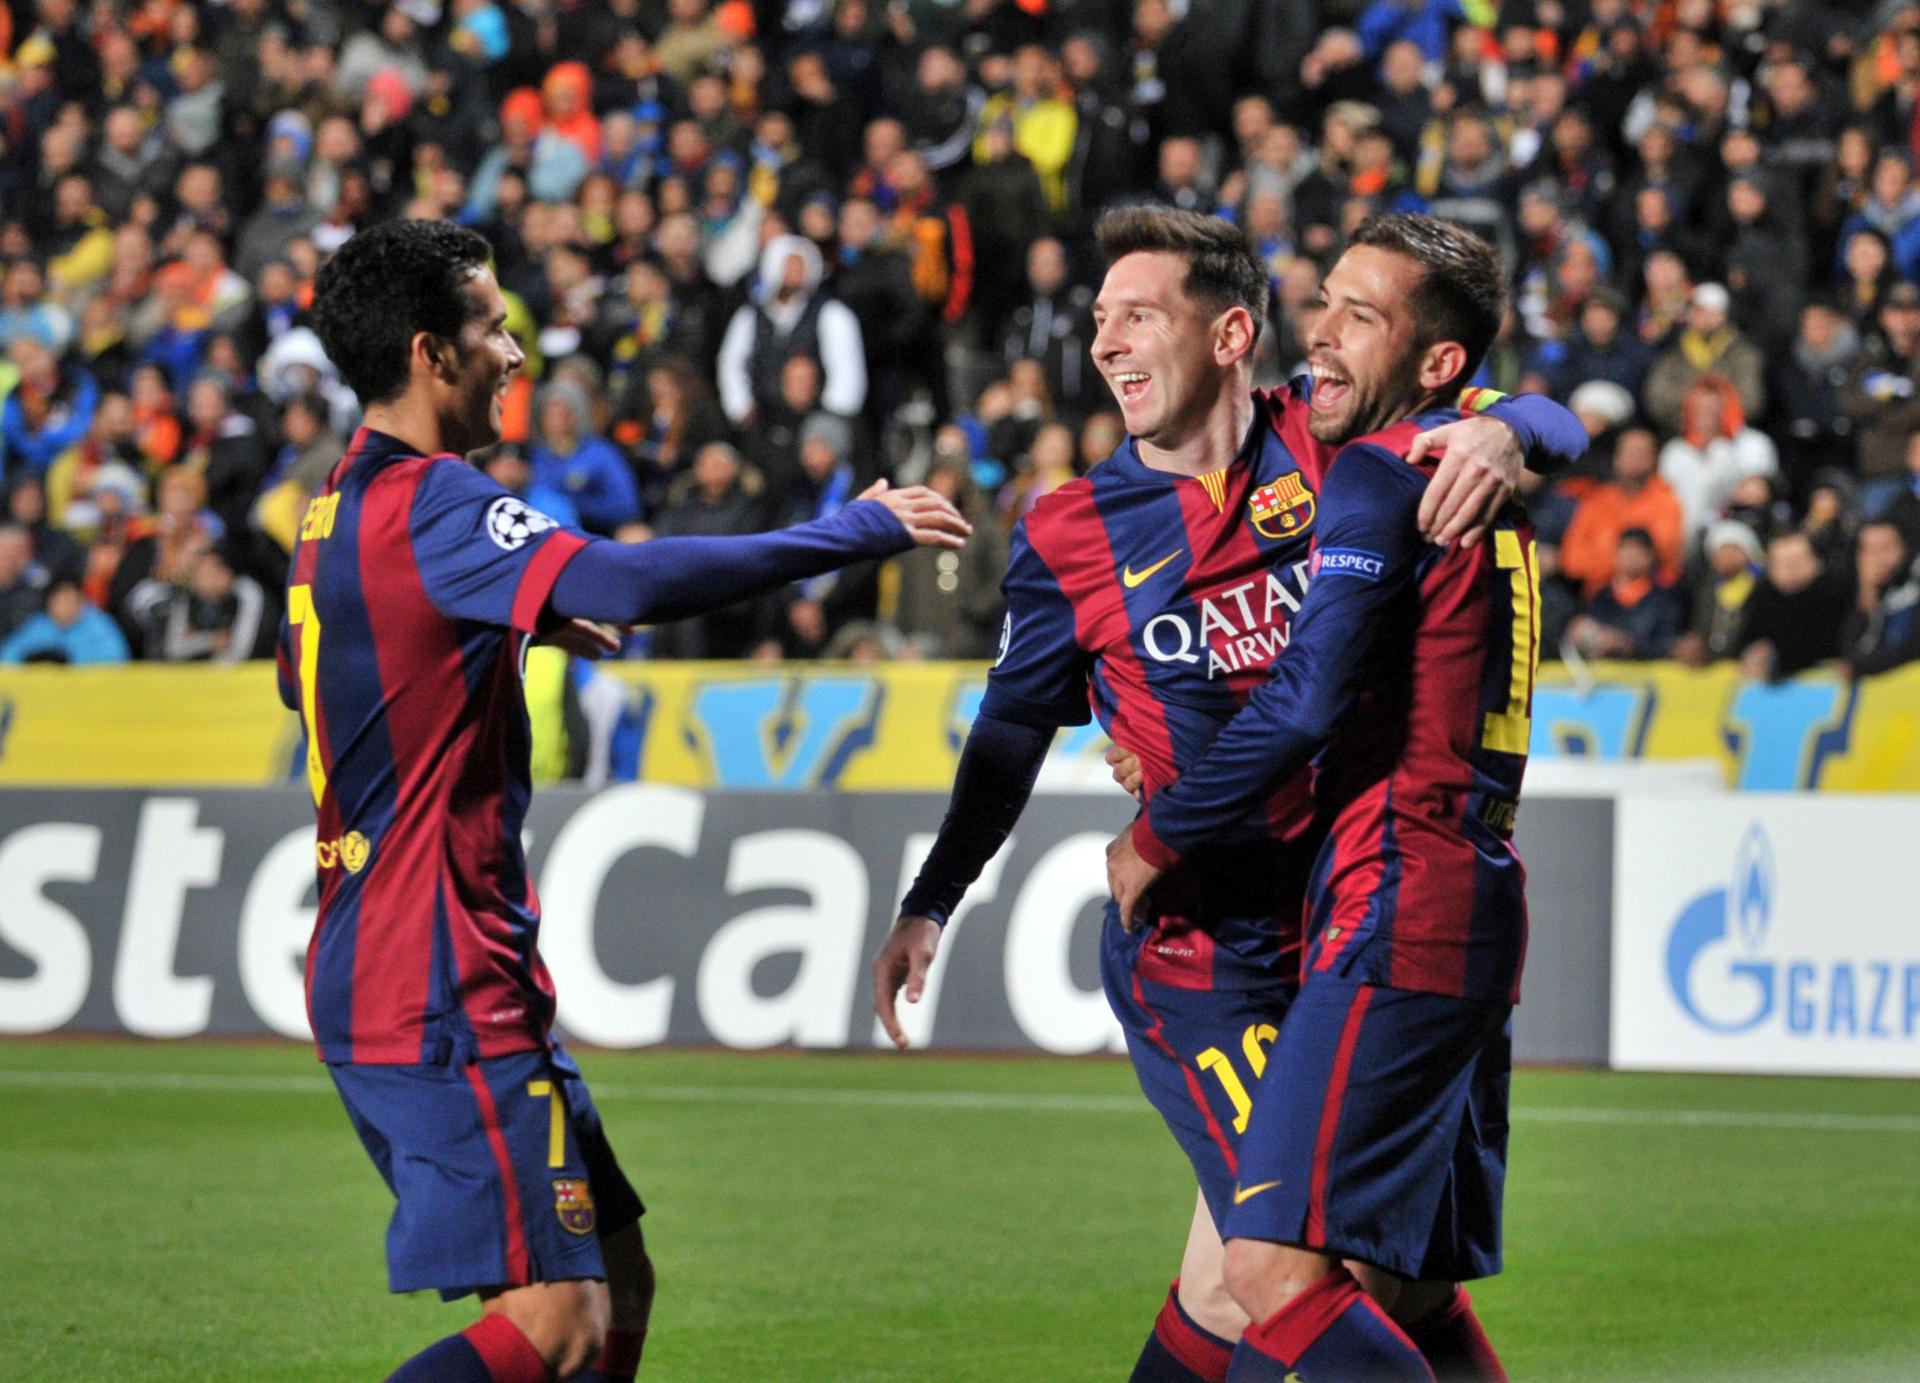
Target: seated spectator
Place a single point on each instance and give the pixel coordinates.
(69, 630)
(1601, 348)
(1726, 582)
(23, 582)
(1883, 627)
(1904, 509)
(568, 457)
(226, 446)
(1635, 499)
(1833, 517)
(107, 518)
(1709, 345)
(47, 414)
(948, 605)
(1812, 429)
(1793, 619)
(818, 607)
(790, 314)
(53, 549)
(718, 497)
(507, 466)
(1713, 453)
(160, 554)
(307, 457)
(1883, 398)
(1637, 614)
(217, 615)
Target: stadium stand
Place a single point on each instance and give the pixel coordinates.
(760, 252)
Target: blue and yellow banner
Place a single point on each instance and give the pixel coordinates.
(900, 727)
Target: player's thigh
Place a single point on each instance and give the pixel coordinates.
(490, 1181)
(1352, 1143)
(1468, 1226)
(1198, 1053)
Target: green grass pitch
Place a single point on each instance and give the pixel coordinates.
(203, 1211)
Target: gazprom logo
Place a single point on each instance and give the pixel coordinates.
(1713, 964)
(1726, 972)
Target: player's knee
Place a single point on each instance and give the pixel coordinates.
(1418, 1300)
(1262, 1277)
(566, 1322)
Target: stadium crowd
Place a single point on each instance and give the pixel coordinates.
(761, 251)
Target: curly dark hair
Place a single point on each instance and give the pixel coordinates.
(385, 284)
(1222, 269)
(1462, 295)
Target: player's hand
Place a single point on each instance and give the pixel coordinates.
(1129, 879)
(583, 638)
(903, 961)
(1126, 770)
(1480, 465)
(930, 520)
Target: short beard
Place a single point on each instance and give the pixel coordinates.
(1400, 398)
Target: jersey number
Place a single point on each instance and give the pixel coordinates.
(1253, 1043)
(1508, 731)
(556, 1119)
(302, 615)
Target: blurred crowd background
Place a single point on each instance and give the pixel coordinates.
(762, 252)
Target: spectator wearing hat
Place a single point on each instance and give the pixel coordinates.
(1636, 613)
(1729, 574)
(789, 314)
(69, 630)
(568, 456)
(1714, 451)
(1883, 399)
(1708, 345)
(283, 218)
(1793, 620)
(1882, 630)
(1635, 498)
(1600, 347)
(820, 606)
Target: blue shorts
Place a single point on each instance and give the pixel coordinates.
(1199, 1047)
(500, 1171)
(1380, 1131)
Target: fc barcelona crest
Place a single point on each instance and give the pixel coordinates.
(1283, 509)
(573, 1203)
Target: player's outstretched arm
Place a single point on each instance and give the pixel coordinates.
(1482, 455)
(1369, 550)
(672, 578)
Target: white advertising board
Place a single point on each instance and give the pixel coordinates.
(1767, 933)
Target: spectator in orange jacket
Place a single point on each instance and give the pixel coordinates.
(1634, 498)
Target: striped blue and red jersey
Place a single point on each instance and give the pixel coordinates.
(415, 584)
(1408, 685)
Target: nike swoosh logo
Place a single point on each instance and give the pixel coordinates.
(1131, 578)
(1241, 1197)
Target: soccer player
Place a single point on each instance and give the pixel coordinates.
(1378, 1133)
(415, 586)
(1164, 583)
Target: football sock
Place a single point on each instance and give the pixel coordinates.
(1180, 1349)
(1331, 1333)
(492, 1350)
(619, 1358)
(1455, 1345)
